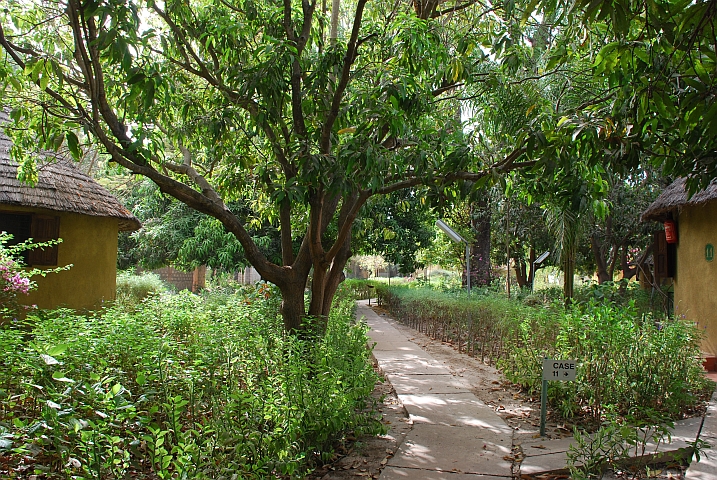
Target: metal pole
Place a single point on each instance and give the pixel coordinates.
(543, 406)
(468, 268)
(532, 274)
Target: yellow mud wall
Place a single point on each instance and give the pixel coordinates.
(696, 277)
(90, 245)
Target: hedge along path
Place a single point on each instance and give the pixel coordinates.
(485, 331)
(456, 436)
(453, 431)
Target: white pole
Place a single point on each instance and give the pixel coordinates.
(468, 268)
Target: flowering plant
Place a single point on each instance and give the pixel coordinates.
(14, 276)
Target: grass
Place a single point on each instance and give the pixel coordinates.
(133, 288)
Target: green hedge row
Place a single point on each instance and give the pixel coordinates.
(630, 363)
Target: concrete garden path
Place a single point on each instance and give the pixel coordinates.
(455, 436)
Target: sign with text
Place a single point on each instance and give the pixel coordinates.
(563, 370)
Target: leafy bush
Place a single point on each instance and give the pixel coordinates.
(627, 360)
(181, 387)
(622, 293)
(132, 288)
(482, 325)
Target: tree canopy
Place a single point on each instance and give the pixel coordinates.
(219, 100)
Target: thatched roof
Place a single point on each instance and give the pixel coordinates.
(674, 197)
(61, 187)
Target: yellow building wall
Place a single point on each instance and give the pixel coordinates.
(696, 278)
(90, 245)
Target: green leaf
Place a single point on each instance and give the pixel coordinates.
(16, 84)
(136, 78)
(57, 349)
(60, 377)
(73, 144)
(44, 81)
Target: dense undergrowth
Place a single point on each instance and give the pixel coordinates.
(632, 362)
(180, 386)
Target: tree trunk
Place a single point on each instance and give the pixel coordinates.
(293, 310)
(480, 248)
(336, 276)
(531, 275)
(568, 275)
(335, 12)
(627, 271)
(600, 262)
(521, 273)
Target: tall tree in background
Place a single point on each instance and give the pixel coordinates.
(174, 234)
(526, 232)
(618, 239)
(480, 218)
(396, 226)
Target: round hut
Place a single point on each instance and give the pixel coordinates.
(686, 255)
(65, 203)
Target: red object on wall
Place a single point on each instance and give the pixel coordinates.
(670, 231)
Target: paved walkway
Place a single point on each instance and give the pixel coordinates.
(455, 436)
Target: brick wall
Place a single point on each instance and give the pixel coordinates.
(180, 280)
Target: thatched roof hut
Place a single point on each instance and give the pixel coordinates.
(61, 187)
(675, 197)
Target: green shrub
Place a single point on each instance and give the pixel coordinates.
(482, 325)
(629, 363)
(182, 387)
(132, 288)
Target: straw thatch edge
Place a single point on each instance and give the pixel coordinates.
(61, 187)
(674, 197)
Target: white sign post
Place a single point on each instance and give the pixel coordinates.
(453, 235)
(554, 370)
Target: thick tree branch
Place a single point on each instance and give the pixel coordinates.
(316, 202)
(349, 58)
(287, 247)
(350, 211)
(194, 176)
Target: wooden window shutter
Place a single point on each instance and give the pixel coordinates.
(660, 255)
(44, 228)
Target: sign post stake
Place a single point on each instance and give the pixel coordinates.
(543, 406)
(558, 370)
